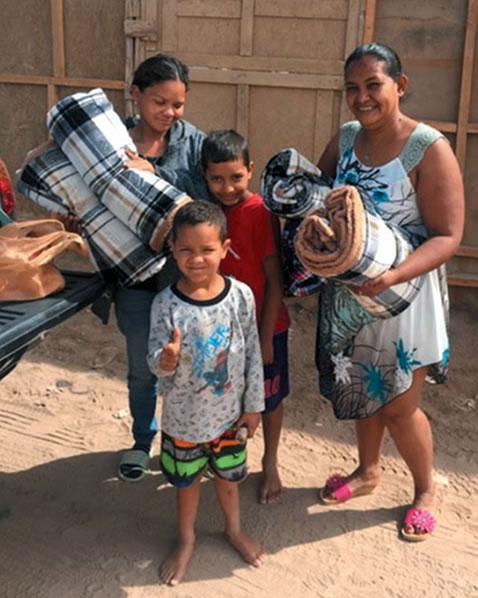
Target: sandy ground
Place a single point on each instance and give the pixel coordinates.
(69, 528)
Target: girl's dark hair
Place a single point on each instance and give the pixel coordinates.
(382, 53)
(224, 145)
(158, 69)
(200, 212)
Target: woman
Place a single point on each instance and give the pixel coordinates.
(373, 371)
(170, 147)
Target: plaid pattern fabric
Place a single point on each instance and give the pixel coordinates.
(52, 182)
(298, 281)
(385, 247)
(94, 139)
(292, 187)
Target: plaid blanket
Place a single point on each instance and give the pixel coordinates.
(298, 281)
(338, 238)
(291, 186)
(52, 182)
(94, 139)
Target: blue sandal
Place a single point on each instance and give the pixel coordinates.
(133, 465)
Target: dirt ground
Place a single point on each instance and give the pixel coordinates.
(69, 528)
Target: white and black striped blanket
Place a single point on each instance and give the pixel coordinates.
(126, 214)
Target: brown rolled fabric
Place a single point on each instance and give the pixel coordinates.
(331, 240)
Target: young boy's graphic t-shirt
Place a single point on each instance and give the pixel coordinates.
(220, 374)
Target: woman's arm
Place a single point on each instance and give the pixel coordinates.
(440, 198)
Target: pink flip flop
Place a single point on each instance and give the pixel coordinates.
(422, 522)
(339, 491)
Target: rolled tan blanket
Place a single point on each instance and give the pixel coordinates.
(330, 241)
(348, 243)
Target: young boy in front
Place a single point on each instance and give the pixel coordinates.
(204, 345)
(253, 258)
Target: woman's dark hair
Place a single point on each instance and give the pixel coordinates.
(158, 69)
(224, 145)
(200, 212)
(382, 53)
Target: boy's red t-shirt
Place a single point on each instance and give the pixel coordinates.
(252, 240)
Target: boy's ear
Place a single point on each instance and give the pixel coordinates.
(225, 247)
(250, 168)
(171, 244)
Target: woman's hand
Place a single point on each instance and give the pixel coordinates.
(137, 162)
(377, 285)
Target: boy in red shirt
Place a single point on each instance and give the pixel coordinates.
(254, 258)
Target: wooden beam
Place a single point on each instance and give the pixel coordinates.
(466, 83)
(263, 63)
(52, 96)
(61, 81)
(369, 21)
(266, 79)
(58, 37)
(460, 279)
(467, 251)
(247, 28)
(352, 36)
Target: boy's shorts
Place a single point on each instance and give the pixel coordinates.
(276, 374)
(183, 462)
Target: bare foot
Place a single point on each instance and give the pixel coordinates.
(271, 486)
(174, 568)
(424, 502)
(359, 484)
(250, 550)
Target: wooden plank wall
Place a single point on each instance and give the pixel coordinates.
(270, 68)
(437, 44)
(49, 49)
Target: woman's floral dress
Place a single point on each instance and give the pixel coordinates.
(364, 363)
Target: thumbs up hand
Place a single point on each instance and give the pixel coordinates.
(169, 358)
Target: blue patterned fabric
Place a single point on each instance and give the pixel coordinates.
(364, 363)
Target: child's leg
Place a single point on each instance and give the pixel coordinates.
(187, 502)
(228, 497)
(271, 486)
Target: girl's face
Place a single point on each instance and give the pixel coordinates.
(161, 104)
(372, 95)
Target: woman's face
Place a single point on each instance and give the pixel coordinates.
(372, 95)
(160, 105)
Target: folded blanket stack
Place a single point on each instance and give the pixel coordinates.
(52, 182)
(94, 139)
